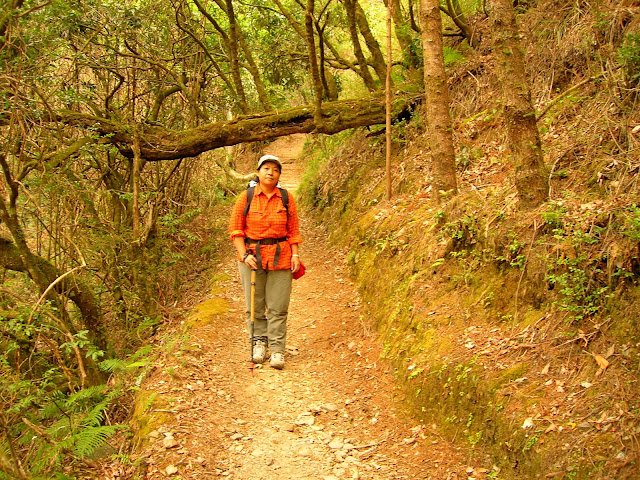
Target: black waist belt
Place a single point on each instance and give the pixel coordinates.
(266, 241)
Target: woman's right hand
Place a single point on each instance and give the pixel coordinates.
(251, 261)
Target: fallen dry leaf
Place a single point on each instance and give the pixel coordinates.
(602, 362)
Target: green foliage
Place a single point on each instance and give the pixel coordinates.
(467, 155)
(628, 56)
(631, 226)
(554, 214)
(452, 56)
(89, 439)
(462, 232)
(582, 296)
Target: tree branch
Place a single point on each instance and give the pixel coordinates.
(159, 143)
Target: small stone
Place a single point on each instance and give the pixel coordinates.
(236, 436)
(257, 453)
(330, 407)
(336, 444)
(169, 442)
(305, 420)
(171, 470)
(304, 452)
(288, 427)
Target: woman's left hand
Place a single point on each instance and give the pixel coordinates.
(295, 264)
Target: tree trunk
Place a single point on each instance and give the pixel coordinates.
(438, 120)
(235, 64)
(159, 143)
(455, 12)
(300, 31)
(350, 9)
(73, 287)
(403, 35)
(531, 175)
(255, 74)
(378, 62)
(251, 64)
(313, 63)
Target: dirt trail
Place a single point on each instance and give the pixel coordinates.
(331, 414)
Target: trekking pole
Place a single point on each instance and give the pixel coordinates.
(253, 318)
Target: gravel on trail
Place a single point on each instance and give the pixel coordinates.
(332, 413)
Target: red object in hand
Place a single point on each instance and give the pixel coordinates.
(300, 272)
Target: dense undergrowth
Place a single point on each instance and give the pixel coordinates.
(515, 331)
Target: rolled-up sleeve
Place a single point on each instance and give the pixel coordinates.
(237, 221)
(293, 224)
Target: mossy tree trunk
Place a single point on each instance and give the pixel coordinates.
(251, 66)
(437, 117)
(159, 143)
(531, 175)
(313, 63)
(350, 9)
(377, 58)
(234, 62)
(403, 30)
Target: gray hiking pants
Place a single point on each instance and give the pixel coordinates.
(273, 293)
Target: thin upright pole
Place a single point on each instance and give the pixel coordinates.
(388, 100)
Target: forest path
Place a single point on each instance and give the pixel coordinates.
(332, 413)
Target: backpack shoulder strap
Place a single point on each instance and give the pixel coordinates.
(285, 199)
(250, 192)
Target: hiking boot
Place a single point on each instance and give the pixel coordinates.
(259, 351)
(277, 360)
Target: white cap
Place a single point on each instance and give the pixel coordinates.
(269, 158)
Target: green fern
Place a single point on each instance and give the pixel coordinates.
(138, 359)
(90, 439)
(142, 352)
(81, 397)
(113, 365)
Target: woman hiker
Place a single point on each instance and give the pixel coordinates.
(266, 236)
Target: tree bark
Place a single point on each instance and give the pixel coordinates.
(350, 9)
(455, 12)
(73, 287)
(378, 62)
(438, 120)
(338, 60)
(159, 143)
(251, 66)
(313, 63)
(235, 64)
(403, 35)
(531, 175)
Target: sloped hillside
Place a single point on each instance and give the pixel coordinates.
(516, 331)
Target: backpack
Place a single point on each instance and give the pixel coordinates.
(251, 188)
